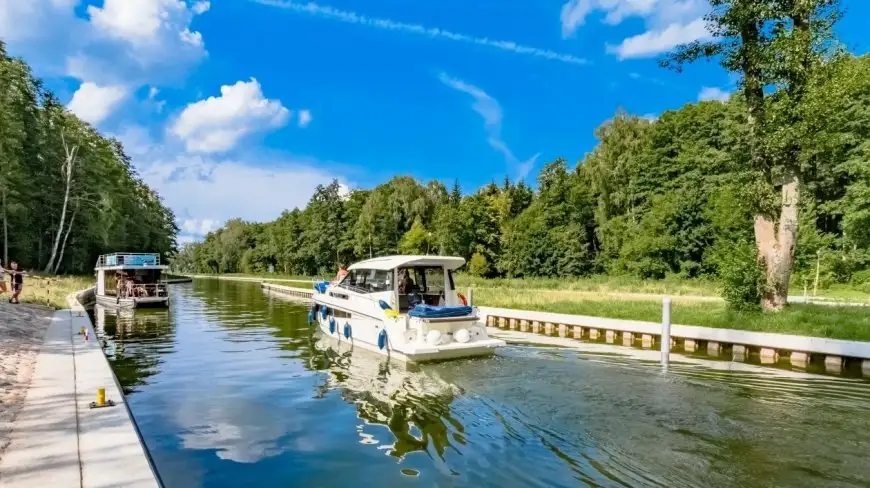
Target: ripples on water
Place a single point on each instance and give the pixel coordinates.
(230, 388)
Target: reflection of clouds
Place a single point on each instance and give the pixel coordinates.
(244, 430)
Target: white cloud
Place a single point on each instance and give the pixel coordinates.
(713, 93)
(205, 192)
(217, 124)
(655, 42)
(200, 8)
(304, 118)
(93, 103)
(130, 42)
(668, 22)
(145, 22)
(489, 108)
(25, 20)
(350, 17)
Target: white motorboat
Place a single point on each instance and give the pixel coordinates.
(405, 307)
(130, 280)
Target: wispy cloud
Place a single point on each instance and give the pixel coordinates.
(350, 17)
(490, 110)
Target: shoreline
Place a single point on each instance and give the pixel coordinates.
(58, 438)
(22, 333)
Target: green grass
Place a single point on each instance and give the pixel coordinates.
(51, 291)
(597, 284)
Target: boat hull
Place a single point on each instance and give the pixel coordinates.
(364, 332)
(138, 302)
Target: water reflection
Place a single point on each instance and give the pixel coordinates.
(125, 333)
(412, 404)
(233, 388)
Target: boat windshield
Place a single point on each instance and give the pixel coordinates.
(368, 281)
(424, 283)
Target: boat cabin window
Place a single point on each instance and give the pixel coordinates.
(368, 281)
(423, 284)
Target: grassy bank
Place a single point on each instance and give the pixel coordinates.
(51, 291)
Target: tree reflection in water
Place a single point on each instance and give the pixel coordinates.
(413, 405)
(134, 340)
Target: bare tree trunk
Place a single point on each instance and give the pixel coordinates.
(68, 166)
(776, 246)
(5, 231)
(65, 237)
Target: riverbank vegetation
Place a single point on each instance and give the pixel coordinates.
(768, 189)
(52, 291)
(67, 193)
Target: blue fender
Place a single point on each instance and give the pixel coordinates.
(382, 339)
(347, 330)
(311, 317)
(331, 325)
(323, 312)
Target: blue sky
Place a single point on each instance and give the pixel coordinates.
(240, 107)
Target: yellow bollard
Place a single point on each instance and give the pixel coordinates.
(101, 397)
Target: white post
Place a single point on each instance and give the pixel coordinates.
(666, 331)
(818, 265)
(471, 297)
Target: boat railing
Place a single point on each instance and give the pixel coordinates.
(140, 290)
(128, 259)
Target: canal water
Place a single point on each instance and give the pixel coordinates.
(232, 388)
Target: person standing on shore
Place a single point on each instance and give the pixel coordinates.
(2, 278)
(17, 278)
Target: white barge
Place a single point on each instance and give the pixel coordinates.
(131, 280)
(404, 307)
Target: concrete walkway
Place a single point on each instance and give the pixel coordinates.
(57, 440)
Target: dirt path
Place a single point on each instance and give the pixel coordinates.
(22, 328)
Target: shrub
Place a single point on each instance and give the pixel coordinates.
(478, 266)
(742, 277)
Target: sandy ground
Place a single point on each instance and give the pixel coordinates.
(22, 329)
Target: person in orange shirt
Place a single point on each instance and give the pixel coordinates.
(342, 272)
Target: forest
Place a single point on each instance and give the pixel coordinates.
(759, 192)
(67, 193)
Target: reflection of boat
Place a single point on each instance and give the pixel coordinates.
(143, 271)
(413, 405)
(405, 307)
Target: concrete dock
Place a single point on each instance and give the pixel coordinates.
(58, 440)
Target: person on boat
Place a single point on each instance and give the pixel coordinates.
(119, 284)
(128, 286)
(406, 284)
(342, 272)
(17, 278)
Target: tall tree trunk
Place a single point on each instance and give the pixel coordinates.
(72, 220)
(5, 231)
(776, 245)
(69, 163)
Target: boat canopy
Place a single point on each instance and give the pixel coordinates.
(393, 262)
(129, 260)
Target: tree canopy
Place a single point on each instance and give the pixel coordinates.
(67, 193)
(672, 196)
